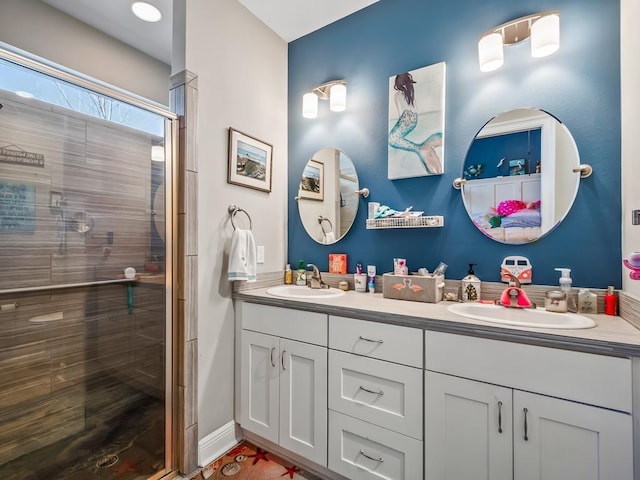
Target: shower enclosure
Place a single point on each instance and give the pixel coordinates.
(85, 343)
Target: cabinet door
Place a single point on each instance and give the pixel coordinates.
(569, 441)
(259, 372)
(468, 429)
(303, 400)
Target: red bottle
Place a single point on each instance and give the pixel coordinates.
(610, 302)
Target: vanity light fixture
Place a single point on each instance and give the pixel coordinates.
(543, 28)
(146, 12)
(335, 91)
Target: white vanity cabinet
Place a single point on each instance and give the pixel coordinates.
(375, 400)
(283, 374)
(498, 410)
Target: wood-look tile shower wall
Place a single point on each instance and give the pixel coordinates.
(103, 170)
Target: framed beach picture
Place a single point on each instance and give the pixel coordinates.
(249, 161)
(312, 181)
(416, 122)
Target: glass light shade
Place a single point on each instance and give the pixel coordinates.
(145, 11)
(490, 54)
(338, 97)
(545, 36)
(310, 105)
(157, 153)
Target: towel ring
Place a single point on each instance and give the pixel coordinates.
(233, 209)
(321, 220)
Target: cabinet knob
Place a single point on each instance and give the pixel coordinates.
(282, 360)
(526, 435)
(499, 417)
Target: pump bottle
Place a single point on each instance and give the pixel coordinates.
(610, 302)
(565, 286)
(471, 286)
(301, 274)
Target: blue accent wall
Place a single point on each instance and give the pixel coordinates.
(579, 85)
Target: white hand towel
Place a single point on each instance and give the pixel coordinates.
(242, 256)
(330, 237)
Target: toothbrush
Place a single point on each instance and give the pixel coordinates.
(359, 268)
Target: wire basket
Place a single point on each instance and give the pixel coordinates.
(406, 222)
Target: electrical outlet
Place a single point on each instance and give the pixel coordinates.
(260, 254)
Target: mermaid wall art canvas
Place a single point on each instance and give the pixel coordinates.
(416, 122)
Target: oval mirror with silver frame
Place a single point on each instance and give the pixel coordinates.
(521, 175)
(327, 198)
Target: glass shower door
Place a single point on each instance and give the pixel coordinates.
(85, 344)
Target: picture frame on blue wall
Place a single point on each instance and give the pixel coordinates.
(249, 162)
(416, 122)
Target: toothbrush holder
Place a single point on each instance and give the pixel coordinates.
(360, 282)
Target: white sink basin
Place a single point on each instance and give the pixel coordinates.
(295, 291)
(522, 317)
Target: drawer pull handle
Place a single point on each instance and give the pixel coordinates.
(372, 391)
(380, 460)
(370, 340)
(282, 360)
(499, 417)
(526, 435)
(273, 364)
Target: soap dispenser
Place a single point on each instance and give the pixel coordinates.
(565, 286)
(301, 274)
(470, 286)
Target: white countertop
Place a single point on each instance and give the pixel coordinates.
(612, 335)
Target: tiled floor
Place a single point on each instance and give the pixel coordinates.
(123, 440)
(248, 462)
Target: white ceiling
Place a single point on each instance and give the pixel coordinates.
(290, 19)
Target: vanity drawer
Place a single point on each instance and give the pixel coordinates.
(309, 327)
(383, 393)
(361, 451)
(393, 343)
(589, 378)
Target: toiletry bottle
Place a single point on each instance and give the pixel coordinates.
(587, 301)
(565, 286)
(470, 286)
(371, 278)
(301, 274)
(610, 302)
(288, 275)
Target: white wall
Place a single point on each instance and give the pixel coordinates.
(41, 30)
(242, 83)
(630, 77)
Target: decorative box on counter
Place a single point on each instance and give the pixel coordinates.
(416, 288)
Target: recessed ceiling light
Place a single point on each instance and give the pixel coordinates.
(145, 11)
(23, 94)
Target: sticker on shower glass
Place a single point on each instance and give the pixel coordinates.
(17, 207)
(18, 156)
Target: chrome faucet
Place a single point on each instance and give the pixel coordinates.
(315, 279)
(514, 296)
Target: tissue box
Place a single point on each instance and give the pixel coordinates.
(416, 288)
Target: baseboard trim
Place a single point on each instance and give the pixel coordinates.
(218, 443)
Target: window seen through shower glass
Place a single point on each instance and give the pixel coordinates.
(82, 348)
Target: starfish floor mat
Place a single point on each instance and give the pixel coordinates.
(245, 461)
